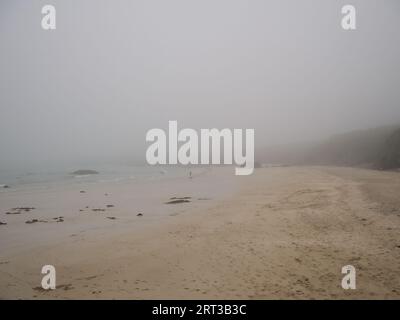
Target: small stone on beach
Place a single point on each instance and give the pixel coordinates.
(32, 221)
(177, 201)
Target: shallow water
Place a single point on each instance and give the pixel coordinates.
(47, 179)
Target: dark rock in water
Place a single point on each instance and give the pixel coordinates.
(177, 201)
(111, 218)
(84, 172)
(180, 198)
(82, 191)
(139, 214)
(110, 206)
(19, 210)
(32, 221)
(6, 186)
(98, 209)
(2, 223)
(23, 208)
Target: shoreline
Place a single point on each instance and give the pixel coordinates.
(85, 208)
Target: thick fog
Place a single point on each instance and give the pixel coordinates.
(91, 89)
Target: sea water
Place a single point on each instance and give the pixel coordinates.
(63, 176)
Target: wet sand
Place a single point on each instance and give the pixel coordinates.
(280, 233)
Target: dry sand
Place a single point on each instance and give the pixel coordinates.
(280, 233)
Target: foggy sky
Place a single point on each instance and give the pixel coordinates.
(112, 70)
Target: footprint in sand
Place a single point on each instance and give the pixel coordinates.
(65, 287)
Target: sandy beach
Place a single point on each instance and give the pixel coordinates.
(282, 233)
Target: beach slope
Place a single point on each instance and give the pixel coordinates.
(285, 233)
